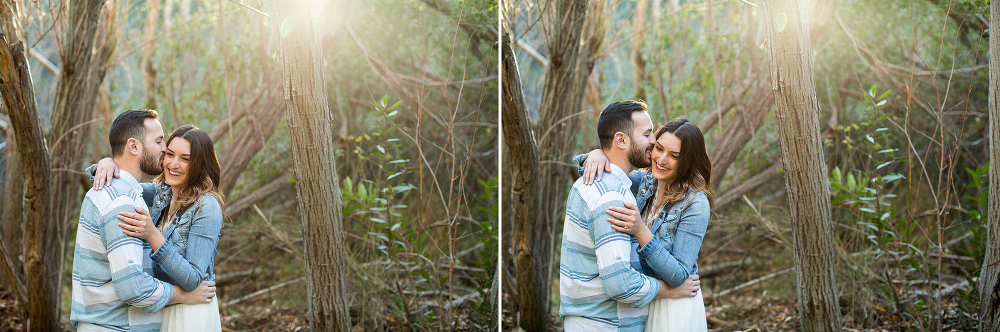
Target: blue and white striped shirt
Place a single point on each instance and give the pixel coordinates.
(601, 285)
(113, 284)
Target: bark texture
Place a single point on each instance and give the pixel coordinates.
(12, 202)
(148, 72)
(571, 60)
(89, 44)
(638, 63)
(530, 238)
(741, 129)
(808, 187)
(255, 132)
(317, 188)
(39, 290)
(989, 277)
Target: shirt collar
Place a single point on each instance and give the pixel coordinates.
(123, 175)
(620, 173)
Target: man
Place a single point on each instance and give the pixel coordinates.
(113, 287)
(601, 285)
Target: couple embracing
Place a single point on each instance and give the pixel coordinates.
(631, 238)
(144, 257)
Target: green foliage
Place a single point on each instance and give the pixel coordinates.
(488, 208)
(977, 201)
(867, 194)
(397, 253)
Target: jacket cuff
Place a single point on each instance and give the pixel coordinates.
(579, 161)
(160, 254)
(90, 170)
(644, 251)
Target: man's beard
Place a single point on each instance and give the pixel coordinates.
(150, 164)
(638, 157)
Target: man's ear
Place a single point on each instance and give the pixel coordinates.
(132, 146)
(621, 140)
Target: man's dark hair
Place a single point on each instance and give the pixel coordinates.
(615, 118)
(129, 124)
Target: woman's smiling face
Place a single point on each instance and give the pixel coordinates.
(665, 155)
(175, 161)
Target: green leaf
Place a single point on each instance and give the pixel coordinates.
(871, 92)
(883, 165)
(378, 220)
(884, 94)
(884, 215)
(396, 105)
(402, 188)
(836, 174)
(379, 235)
(348, 185)
(892, 177)
(868, 210)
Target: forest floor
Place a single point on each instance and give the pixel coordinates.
(748, 283)
(259, 274)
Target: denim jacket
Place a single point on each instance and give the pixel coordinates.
(190, 247)
(672, 254)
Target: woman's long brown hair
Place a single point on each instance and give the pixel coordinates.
(694, 168)
(203, 171)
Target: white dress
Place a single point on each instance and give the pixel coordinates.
(675, 315)
(202, 317)
(192, 317)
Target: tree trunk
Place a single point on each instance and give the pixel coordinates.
(88, 47)
(530, 238)
(742, 127)
(571, 59)
(638, 63)
(808, 187)
(251, 138)
(39, 290)
(148, 72)
(13, 187)
(989, 277)
(308, 114)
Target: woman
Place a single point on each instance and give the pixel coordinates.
(187, 209)
(675, 200)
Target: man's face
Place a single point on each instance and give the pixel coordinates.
(152, 148)
(642, 140)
